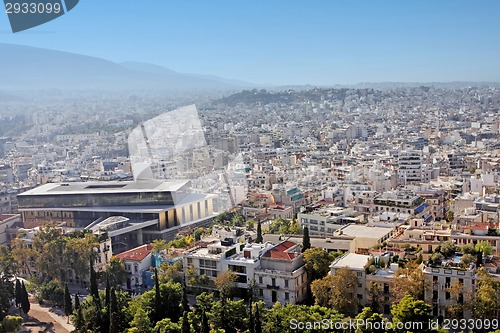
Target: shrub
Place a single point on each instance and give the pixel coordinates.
(52, 292)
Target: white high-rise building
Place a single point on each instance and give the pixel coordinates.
(410, 166)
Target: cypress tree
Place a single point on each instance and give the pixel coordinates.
(68, 306)
(114, 325)
(107, 292)
(19, 291)
(306, 241)
(106, 314)
(93, 285)
(185, 328)
(251, 322)
(258, 324)
(25, 302)
(259, 238)
(157, 309)
(479, 258)
(78, 321)
(77, 302)
(185, 302)
(100, 322)
(205, 326)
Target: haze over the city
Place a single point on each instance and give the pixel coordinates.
(285, 42)
(250, 166)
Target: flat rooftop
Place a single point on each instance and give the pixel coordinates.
(111, 187)
(351, 260)
(356, 230)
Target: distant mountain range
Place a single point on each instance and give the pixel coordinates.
(25, 67)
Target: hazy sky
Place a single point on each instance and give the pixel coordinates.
(285, 42)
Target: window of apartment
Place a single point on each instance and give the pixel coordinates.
(260, 279)
(208, 263)
(386, 288)
(190, 261)
(434, 279)
(360, 285)
(273, 281)
(261, 292)
(434, 295)
(360, 297)
(359, 274)
(447, 295)
(286, 283)
(448, 281)
(287, 296)
(136, 268)
(214, 273)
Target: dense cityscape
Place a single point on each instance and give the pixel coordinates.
(296, 209)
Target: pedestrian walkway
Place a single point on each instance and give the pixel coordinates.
(57, 319)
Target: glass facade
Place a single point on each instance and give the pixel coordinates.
(95, 200)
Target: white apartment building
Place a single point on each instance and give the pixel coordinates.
(410, 166)
(281, 276)
(214, 256)
(8, 225)
(326, 220)
(278, 271)
(382, 278)
(137, 261)
(439, 280)
(402, 201)
(364, 237)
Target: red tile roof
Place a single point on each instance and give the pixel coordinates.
(136, 254)
(325, 202)
(280, 251)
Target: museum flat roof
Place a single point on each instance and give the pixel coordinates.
(110, 187)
